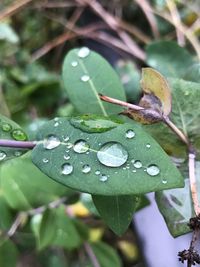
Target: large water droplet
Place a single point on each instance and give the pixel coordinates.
(85, 78)
(81, 146)
(86, 168)
(83, 52)
(2, 155)
(137, 164)
(19, 135)
(51, 142)
(112, 154)
(97, 172)
(74, 63)
(103, 178)
(153, 170)
(6, 127)
(67, 168)
(130, 134)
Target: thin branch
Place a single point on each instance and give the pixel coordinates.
(19, 219)
(91, 255)
(13, 8)
(17, 144)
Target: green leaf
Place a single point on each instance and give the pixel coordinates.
(114, 162)
(25, 187)
(66, 235)
(43, 226)
(130, 78)
(193, 73)
(3, 107)
(6, 217)
(168, 58)
(12, 131)
(116, 211)
(8, 254)
(106, 255)
(185, 114)
(85, 74)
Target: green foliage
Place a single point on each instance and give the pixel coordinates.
(110, 153)
(83, 80)
(8, 254)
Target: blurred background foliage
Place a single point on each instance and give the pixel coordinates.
(43, 223)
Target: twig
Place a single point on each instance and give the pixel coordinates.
(91, 255)
(17, 144)
(19, 219)
(13, 8)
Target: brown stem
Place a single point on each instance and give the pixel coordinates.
(119, 102)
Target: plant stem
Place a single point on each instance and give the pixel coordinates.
(91, 255)
(17, 144)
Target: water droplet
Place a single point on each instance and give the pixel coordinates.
(6, 127)
(69, 145)
(164, 181)
(85, 78)
(97, 172)
(17, 153)
(66, 156)
(65, 138)
(132, 161)
(86, 168)
(45, 160)
(83, 52)
(74, 63)
(67, 168)
(137, 164)
(2, 155)
(56, 119)
(153, 170)
(145, 170)
(112, 154)
(81, 146)
(148, 145)
(51, 142)
(134, 170)
(103, 178)
(56, 124)
(130, 134)
(19, 135)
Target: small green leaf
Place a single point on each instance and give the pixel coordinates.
(122, 161)
(168, 58)
(85, 74)
(12, 131)
(25, 187)
(116, 211)
(106, 255)
(8, 254)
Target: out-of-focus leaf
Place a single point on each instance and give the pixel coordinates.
(8, 34)
(130, 78)
(8, 254)
(11, 131)
(3, 106)
(193, 73)
(87, 201)
(6, 216)
(116, 211)
(85, 75)
(169, 58)
(124, 151)
(25, 187)
(106, 255)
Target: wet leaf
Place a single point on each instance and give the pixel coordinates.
(11, 131)
(106, 255)
(25, 187)
(116, 211)
(122, 161)
(169, 58)
(85, 74)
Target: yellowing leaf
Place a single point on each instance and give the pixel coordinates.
(154, 83)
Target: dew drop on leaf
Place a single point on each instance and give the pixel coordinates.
(103, 178)
(81, 146)
(19, 135)
(97, 172)
(66, 156)
(164, 181)
(51, 142)
(69, 145)
(153, 170)
(74, 63)
(112, 154)
(6, 127)
(2, 155)
(65, 138)
(134, 170)
(56, 124)
(148, 145)
(45, 160)
(83, 52)
(137, 164)
(86, 168)
(85, 78)
(67, 168)
(17, 153)
(130, 134)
